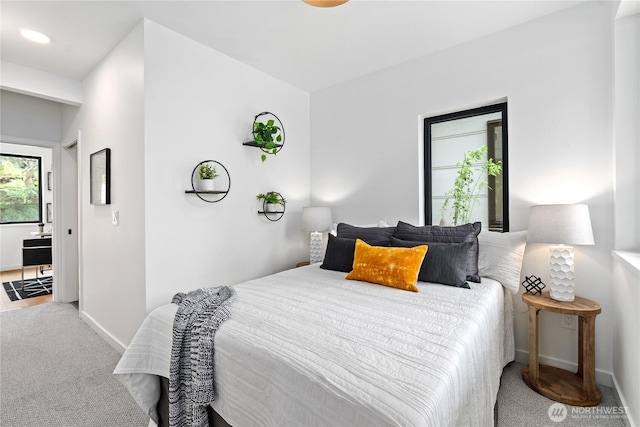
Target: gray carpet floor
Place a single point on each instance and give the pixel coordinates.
(56, 372)
(518, 405)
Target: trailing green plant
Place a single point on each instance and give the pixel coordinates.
(267, 135)
(206, 171)
(272, 197)
(464, 195)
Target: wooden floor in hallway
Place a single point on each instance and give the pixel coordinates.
(8, 276)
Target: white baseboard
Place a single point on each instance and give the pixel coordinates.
(602, 377)
(110, 339)
(11, 267)
(628, 421)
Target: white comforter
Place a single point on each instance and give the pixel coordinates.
(307, 348)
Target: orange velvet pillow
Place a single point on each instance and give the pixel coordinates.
(389, 266)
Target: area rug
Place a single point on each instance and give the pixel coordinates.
(32, 288)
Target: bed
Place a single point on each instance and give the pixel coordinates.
(308, 347)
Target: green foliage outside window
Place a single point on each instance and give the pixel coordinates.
(464, 195)
(20, 199)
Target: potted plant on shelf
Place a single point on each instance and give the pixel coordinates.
(464, 195)
(206, 174)
(271, 200)
(267, 136)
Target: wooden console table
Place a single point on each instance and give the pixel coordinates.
(577, 389)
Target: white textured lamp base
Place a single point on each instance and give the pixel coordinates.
(315, 247)
(561, 275)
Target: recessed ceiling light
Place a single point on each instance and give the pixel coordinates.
(35, 36)
(325, 3)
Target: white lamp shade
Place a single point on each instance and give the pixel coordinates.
(561, 224)
(316, 219)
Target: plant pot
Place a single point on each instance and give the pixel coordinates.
(271, 207)
(205, 185)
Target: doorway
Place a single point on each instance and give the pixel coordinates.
(28, 199)
(66, 237)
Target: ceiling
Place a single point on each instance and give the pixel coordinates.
(308, 47)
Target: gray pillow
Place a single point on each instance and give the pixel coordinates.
(340, 250)
(366, 233)
(436, 234)
(444, 263)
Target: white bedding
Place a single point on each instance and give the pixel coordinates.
(305, 347)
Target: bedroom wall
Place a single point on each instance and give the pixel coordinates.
(112, 116)
(30, 81)
(200, 105)
(626, 261)
(555, 72)
(627, 132)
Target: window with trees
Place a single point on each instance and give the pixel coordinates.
(20, 189)
(466, 166)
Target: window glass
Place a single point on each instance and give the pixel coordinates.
(482, 196)
(20, 191)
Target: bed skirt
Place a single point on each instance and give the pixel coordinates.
(215, 420)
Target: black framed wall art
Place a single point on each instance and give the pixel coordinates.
(100, 172)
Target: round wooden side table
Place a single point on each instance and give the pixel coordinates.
(577, 389)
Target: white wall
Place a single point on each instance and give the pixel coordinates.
(163, 103)
(627, 133)
(29, 81)
(112, 116)
(366, 144)
(626, 265)
(200, 105)
(626, 342)
(31, 118)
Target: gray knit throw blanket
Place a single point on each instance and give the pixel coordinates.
(191, 372)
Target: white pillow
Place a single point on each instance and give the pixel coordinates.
(500, 257)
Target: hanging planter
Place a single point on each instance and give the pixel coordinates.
(203, 177)
(273, 205)
(206, 177)
(268, 134)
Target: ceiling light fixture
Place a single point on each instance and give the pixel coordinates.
(325, 3)
(35, 36)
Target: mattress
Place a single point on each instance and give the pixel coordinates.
(307, 347)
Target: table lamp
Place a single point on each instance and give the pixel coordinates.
(561, 225)
(316, 220)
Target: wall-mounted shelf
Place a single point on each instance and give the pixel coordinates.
(204, 192)
(272, 142)
(222, 180)
(255, 144)
(273, 215)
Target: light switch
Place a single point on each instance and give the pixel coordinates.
(115, 217)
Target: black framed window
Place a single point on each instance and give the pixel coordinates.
(446, 139)
(20, 189)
